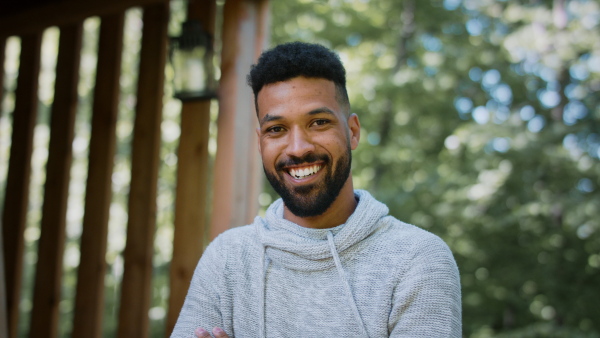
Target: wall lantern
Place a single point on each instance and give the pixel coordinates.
(191, 56)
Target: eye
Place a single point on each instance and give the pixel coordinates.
(274, 129)
(321, 122)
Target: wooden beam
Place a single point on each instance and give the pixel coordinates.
(63, 13)
(46, 296)
(89, 300)
(192, 176)
(190, 203)
(16, 196)
(2, 56)
(235, 202)
(3, 313)
(136, 286)
(255, 166)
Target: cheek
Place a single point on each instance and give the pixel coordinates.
(335, 144)
(269, 153)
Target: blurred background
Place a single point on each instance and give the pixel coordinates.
(480, 123)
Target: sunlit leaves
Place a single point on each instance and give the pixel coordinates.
(479, 123)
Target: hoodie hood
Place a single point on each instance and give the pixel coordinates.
(305, 249)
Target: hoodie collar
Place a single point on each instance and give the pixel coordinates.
(307, 249)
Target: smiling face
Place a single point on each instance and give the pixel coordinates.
(305, 140)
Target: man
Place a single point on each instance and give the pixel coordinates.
(326, 260)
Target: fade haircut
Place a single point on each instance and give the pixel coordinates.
(289, 60)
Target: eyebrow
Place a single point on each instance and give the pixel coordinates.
(320, 110)
(269, 118)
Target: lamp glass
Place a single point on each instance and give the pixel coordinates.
(191, 58)
(190, 70)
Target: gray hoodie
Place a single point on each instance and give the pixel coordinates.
(373, 276)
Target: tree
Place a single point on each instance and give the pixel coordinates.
(481, 125)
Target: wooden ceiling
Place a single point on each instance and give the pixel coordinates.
(22, 17)
(12, 7)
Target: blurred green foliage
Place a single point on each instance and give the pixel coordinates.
(480, 124)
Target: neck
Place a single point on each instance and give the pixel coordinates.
(336, 214)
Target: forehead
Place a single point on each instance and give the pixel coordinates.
(297, 95)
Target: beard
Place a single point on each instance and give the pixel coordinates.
(313, 199)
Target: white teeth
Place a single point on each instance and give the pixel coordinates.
(302, 173)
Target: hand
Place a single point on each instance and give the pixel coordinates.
(217, 331)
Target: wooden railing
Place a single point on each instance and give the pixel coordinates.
(236, 109)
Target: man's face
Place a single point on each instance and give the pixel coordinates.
(305, 140)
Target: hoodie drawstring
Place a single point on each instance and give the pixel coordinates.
(261, 301)
(338, 264)
(342, 273)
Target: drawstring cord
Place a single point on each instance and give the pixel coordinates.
(342, 273)
(261, 302)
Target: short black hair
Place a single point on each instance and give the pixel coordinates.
(289, 60)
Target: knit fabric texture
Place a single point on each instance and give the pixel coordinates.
(373, 276)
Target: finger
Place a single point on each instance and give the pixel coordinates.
(201, 333)
(219, 333)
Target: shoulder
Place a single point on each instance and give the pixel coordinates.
(233, 243)
(412, 242)
(408, 234)
(235, 237)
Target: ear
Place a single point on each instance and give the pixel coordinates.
(354, 127)
(258, 140)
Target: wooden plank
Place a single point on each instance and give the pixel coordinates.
(255, 166)
(89, 300)
(63, 13)
(192, 176)
(46, 296)
(3, 313)
(190, 203)
(235, 201)
(16, 196)
(2, 56)
(136, 285)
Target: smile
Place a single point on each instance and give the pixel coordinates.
(300, 173)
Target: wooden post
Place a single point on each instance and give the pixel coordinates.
(46, 297)
(136, 286)
(16, 196)
(89, 300)
(191, 193)
(2, 56)
(3, 313)
(255, 166)
(236, 187)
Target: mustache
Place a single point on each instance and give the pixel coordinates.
(306, 159)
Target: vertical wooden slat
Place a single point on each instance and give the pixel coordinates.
(191, 193)
(236, 196)
(136, 286)
(3, 313)
(2, 56)
(89, 300)
(255, 167)
(190, 203)
(17, 183)
(46, 296)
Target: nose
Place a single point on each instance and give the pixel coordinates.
(299, 144)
